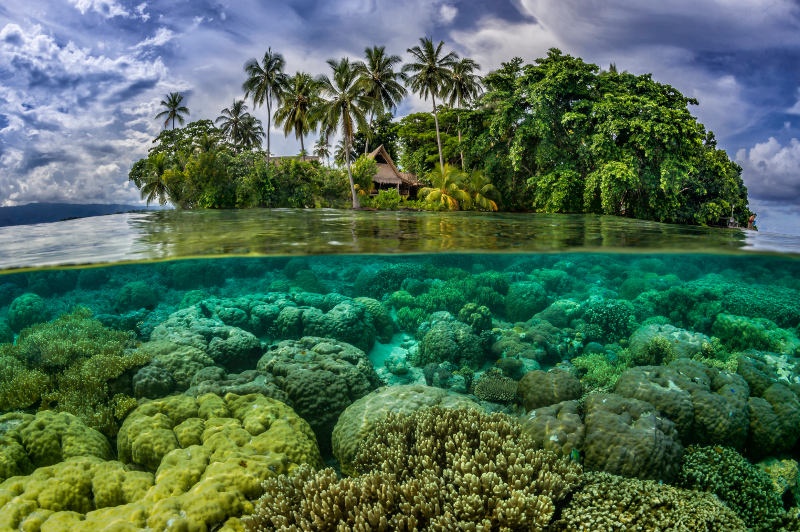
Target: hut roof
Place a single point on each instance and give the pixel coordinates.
(387, 171)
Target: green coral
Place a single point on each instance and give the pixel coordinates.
(26, 310)
(615, 317)
(597, 371)
(69, 365)
(610, 502)
(740, 333)
(29, 441)
(227, 447)
(135, 295)
(745, 488)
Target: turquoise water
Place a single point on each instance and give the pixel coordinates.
(631, 348)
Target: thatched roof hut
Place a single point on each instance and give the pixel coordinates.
(389, 176)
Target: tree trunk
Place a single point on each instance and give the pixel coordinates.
(269, 125)
(302, 148)
(349, 148)
(460, 149)
(438, 138)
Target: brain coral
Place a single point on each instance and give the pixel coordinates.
(321, 377)
(558, 428)
(434, 469)
(707, 405)
(185, 464)
(543, 388)
(628, 437)
(609, 502)
(448, 340)
(29, 441)
(359, 418)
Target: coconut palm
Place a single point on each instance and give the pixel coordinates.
(322, 148)
(343, 107)
(154, 186)
(463, 88)
(173, 109)
(483, 194)
(430, 74)
(381, 82)
(264, 82)
(242, 128)
(446, 189)
(299, 99)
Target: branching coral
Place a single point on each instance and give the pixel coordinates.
(609, 502)
(434, 469)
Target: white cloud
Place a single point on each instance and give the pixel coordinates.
(771, 170)
(65, 106)
(106, 8)
(448, 13)
(161, 37)
(795, 109)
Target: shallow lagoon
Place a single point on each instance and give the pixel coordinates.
(511, 313)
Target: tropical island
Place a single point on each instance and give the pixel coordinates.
(558, 136)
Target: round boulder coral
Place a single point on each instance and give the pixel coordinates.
(445, 339)
(321, 377)
(558, 428)
(524, 299)
(29, 441)
(706, 404)
(630, 438)
(543, 388)
(26, 310)
(185, 464)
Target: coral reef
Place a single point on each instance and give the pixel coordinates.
(434, 469)
(544, 388)
(524, 299)
(495, 387)
(610, 502)
(742, 486)
(184, 464)
(360, 418)
(628, 437)
(707, 405)
(321, 377)
(26, 310)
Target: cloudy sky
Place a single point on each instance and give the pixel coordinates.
(80, 80)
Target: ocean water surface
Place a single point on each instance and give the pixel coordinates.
(156, 368)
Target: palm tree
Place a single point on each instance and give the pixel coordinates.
(340, 154)
(242, 128)
(298, 101)
(264, 82)
(481, 191)
(322, 148)
(464, 87)
(252, 132)
(344, 106)
(430, 75)
(381, 82)
(173, 109)
(446, 189)
(154, 186)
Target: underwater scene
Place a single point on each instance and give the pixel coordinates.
(445, 377)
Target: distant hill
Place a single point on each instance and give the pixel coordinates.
(36, 213)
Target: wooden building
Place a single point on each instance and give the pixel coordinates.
(388, 176)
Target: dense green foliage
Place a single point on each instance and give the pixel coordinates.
(562, 136)
(196, 167)
(559, 136)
